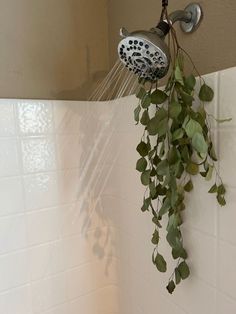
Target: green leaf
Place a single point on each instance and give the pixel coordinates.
(145, 118)
(158, 97)
(156, 160)
(156, 221)
(199, 143)
(158, 124)
(175, 109)
(145, 177)
(183, 269)
(152, 189)
(206, 93)
(141, 93)
(173, 238)
(190, 82)
(188, 186)
(162, 127)
(174, 221)
(180, 252)
(143, 149)
(141, 164)
(146, 100)
(192, 168)
(187, 118)
(165, 207)
(213, 189)
(178, 75)
(173, 155)
(155, 237)
(171, 287)
(162, 149)
(183, 254)
(223, 120)
(146, 204)
(160, 263)
(179, 133)
(137, 113)
(177, 276)
(221, 189)
(209, 173)
(212, 153)
(221, 200)
(152, 126)
(187, 99)
(161, 114)
(192, 127)
(163, 168)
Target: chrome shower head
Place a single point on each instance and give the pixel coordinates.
(145, 52)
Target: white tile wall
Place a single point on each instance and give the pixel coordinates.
(72, 236)
(58, 237)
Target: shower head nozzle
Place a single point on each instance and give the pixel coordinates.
(145, 52)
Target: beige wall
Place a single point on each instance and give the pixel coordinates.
(59, 49)
(51, 48)
(212, 47)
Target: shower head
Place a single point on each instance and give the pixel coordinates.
(145, 52)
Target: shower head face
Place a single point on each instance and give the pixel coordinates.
(146, 54)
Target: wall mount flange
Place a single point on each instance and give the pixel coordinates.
(196, 17)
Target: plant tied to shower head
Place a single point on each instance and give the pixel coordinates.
(176, 145)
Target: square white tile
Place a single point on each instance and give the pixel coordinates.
(9, 204)
(7, 118)
(34, 117)
(41, 190)
(38, 154)
(9, 165)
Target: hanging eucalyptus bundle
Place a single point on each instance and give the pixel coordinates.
(176, 145)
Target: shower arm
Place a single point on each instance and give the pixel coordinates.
(180, 16)
(189, 19)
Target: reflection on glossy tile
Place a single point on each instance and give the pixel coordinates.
(7, 120)
(35, 117)
(38, 154)
(9, 164)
